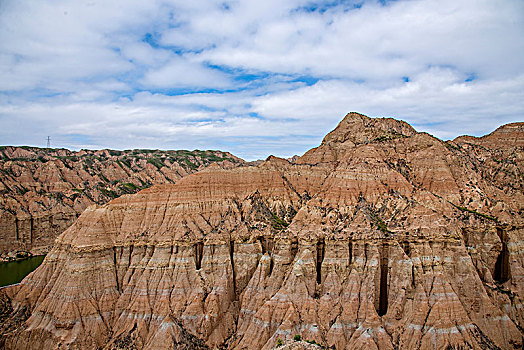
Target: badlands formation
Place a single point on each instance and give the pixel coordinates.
(43, 191)
(381, 237)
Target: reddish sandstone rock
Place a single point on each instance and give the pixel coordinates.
(381, 237)
(43, 191)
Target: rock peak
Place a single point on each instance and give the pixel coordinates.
(358, 128)
(275, 161)
(505, 137)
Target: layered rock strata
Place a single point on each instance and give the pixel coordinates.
(381, 237)
(43, 191)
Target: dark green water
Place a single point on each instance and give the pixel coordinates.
(14, 271)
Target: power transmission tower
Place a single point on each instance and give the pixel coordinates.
(49, 142)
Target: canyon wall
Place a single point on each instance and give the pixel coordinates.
(43, 191)
(381, 237)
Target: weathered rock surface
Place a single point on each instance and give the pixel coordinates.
(299, 345)
(43, 191)
(381, 237)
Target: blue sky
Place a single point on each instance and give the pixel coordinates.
(253, 77)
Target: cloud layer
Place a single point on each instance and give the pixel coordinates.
(253, 77)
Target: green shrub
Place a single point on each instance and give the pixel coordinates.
(189, 164)
(108, 193)
(126, 162)
(156, 162)
(128, 188)
(297, 337)
(279, 343)
(278, 223)
(130, 185)
(378, 222)
(450, 146)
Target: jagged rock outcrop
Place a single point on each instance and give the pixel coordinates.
(381, 237)
(43, 191)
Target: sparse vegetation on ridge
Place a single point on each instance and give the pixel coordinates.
(466, 210)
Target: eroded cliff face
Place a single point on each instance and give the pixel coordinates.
(381, 237)
(43, 191)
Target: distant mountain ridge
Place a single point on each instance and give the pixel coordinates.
(43, 191)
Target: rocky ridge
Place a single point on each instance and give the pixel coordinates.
(43, 191)
(381, 237)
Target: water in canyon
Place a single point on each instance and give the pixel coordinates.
(14, 271)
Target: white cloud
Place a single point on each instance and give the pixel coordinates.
(434, 97)
(268, 76)
(377, 42)
(182, 72)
